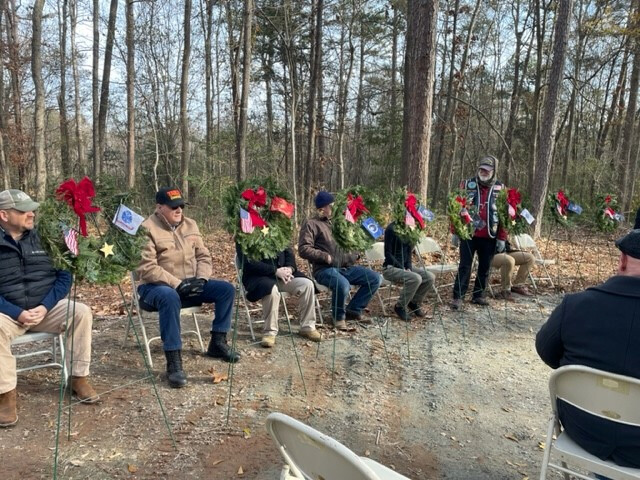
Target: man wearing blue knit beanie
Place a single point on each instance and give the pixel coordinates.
(334, 268)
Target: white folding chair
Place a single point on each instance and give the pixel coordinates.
(605, 395)
(524, 241)
(309, 454)
(375, 257)
(254, 307)
(144, 316)
(55, 351)
(429, 246)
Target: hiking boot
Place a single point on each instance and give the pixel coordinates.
(401, 312)
(218, 348)
(175, 375)
(312, 335)
(353, 316)
(268, 341)
(83, 390)
(506, 294)
(340, 325)
(456, 304)
(480, 301)
(416, 310)
(522, 290)
(8, 408)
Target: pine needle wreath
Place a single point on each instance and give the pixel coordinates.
(607, 216)
(406, 233)
(511, 219)
(559, 207)
(90, 265)
(456, 208)
(262, 242)
(352, 237)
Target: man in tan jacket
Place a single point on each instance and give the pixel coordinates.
(175, 272)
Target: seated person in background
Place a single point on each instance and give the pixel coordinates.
(397, 268)
(32, 298)
(506, 262)
(334, 268)
(175, 272)
(600, 328)
(265, 279)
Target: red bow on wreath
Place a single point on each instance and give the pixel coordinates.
(411, 203)
(464, 213)
(609, 212)
(513, 200)
(356, 207)
(258, 198)
(78, 196)
(563, 201)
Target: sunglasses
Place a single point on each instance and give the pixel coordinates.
(177, 207)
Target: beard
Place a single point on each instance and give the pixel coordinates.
(485, 178)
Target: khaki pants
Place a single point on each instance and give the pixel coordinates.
(301, 288)
(77, 344)
(506, 262)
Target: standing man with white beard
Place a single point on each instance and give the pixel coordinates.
(488, 238)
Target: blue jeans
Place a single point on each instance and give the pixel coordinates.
(166, 301)
(339, 280)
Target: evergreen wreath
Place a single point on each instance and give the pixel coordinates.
(509, 204)
(269, 207)
(92, 265)
(410, 234)
(607, 217)
(559, 207)
(460, 214)
(352, 237)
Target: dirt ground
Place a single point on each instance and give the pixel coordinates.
(455, 396)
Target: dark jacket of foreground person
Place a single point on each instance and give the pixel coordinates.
(599, 328)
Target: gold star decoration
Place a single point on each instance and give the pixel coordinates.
(265, 230)
(107, 249)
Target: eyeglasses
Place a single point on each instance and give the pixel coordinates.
(177, 207)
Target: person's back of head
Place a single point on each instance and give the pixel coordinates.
(629, 246)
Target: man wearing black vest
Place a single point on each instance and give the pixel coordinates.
(600, 328)
(32, 298)
(488, 238)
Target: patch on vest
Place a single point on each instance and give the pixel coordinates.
(471, 184)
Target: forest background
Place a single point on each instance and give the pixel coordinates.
(320, 94)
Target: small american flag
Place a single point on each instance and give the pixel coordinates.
(246, 225)
(348, 217)
(71, 239)
(409, 220)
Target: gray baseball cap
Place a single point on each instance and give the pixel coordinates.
(18, 200)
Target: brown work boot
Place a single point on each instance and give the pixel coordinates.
(83, 390)
(8, 408)
(521, 290)
(312, 335)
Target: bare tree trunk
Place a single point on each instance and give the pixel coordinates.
(95, 91)
(104, 91)
(131, 113)
(208, 80)
(81, 159)
(419, 74)
(184, 86)
(19, 148)
(38, 117)
(615, 100)
(357, 164)
(315, 41)
(4, 167)
(549, 118)
(65, 161)
(343, 91)
(241, 138)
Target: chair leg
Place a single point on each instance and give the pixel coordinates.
(319, 309)
(146, 340)
(195, 321)
(59, 343)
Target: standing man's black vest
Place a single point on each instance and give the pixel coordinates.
(26, 271)
(473, 198)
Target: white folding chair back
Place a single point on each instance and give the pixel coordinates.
(143, 316)
(605, 395)
(428, 245)
(375, 257)
(310, 454)
(524, 241)
(55, 350)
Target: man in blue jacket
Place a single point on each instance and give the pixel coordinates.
(600, 328)
(32, 298)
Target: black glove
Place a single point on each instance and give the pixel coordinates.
(191, 287)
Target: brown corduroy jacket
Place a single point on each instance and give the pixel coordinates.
(173, 254)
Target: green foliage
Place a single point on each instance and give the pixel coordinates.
(604, 204)
(559, 211)
(91, 264)
(352, 237)
(407, 234)
(455, 203)
(258, 244)
(514, 225)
